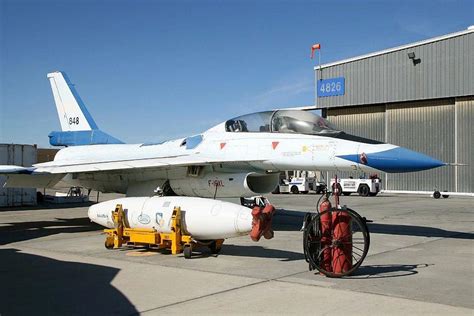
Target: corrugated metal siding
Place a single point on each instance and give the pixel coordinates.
(19, 155)
(465, 147)
(446, 70)
(367, 121)
(426, 127)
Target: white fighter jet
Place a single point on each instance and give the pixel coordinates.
(240, 157)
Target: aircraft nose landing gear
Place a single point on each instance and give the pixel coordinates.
(335, 240)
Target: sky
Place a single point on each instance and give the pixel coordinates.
(156, 70)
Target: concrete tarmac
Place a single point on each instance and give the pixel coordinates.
(421, 261)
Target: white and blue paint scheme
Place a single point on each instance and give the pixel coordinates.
(78, 126)
(240, 157)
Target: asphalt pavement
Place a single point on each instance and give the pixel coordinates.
(421, 261)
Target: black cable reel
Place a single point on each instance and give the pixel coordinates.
(336, 240)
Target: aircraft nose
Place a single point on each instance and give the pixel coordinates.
(396, 160)
(400, 159)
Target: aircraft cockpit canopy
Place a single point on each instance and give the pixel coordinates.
(281, 121)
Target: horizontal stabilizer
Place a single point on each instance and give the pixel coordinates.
(26, 177)
(16, 170)
(32, 180)
(92, 137)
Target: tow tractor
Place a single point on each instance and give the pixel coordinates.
(336, 239)
(364, 187)
(300, 185)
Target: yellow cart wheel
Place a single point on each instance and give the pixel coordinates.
(187, 251)
(109, 242)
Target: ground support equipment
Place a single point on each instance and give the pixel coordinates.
(336, 240)
(176, 241)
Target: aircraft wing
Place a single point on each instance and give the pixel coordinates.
(18, 176)
(50, 173)
(54, 167)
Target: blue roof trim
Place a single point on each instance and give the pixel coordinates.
(77, 138)
(397, 160)
(82, 106)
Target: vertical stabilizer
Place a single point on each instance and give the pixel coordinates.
(73, 114)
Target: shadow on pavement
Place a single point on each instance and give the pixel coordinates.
(286, 220)
(39, 285)
(248, 251)
(387, 271)
(21, 231)
(260, 252)
(46, 206)
(419, 231)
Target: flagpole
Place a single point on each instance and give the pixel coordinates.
(320, 69)
(313, 48)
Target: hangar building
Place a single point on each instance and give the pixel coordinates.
(419, 96)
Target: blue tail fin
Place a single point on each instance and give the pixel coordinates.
(78, 126)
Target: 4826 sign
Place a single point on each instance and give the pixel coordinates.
(331, 87)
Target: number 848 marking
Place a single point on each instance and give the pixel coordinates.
(74, 121)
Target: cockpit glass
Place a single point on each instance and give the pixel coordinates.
(301, 122)
(255, 122)
(283, 121)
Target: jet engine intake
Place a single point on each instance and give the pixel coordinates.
(221, 185)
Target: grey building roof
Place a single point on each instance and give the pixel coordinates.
(444, 69)
(470, 29)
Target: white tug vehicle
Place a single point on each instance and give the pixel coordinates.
(364, 187)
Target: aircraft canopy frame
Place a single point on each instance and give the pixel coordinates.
(281, 121)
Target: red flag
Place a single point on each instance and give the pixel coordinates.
(313, 48)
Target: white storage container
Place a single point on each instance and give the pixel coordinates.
(20, 155)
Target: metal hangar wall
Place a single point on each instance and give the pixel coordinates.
(419, 96)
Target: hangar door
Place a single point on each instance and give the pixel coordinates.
(427, 127)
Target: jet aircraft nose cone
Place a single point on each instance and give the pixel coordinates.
(397, 159)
